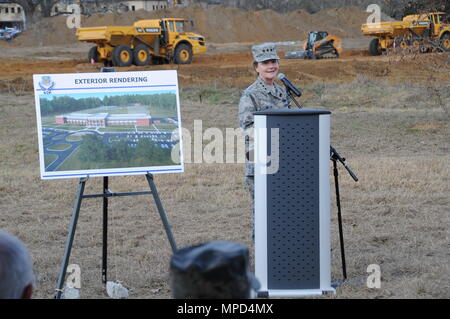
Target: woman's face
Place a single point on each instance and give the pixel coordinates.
(268, 70)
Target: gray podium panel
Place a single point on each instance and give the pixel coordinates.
(292, 202)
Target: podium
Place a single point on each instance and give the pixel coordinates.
(292, 202)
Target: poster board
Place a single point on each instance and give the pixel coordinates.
(108, 123)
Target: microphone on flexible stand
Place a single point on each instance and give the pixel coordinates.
(288, 84)
(290, 89)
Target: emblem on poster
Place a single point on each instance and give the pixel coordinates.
(46, 84)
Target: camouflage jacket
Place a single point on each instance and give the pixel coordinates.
(258, 97)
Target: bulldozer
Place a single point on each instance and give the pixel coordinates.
(151, 41)
(317, 46)
(418, 33)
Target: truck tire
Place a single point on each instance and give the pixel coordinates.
(122, 56)
(445, 42)
(183, 54)
(141, 55)
(374, 47)
(93, 55)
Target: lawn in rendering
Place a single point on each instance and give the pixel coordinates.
(101, 124)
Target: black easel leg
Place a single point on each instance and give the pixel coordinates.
(341, 234)
(162, 214)
(70, 237)
(105, 231)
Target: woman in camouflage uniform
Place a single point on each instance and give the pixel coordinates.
(262, 95)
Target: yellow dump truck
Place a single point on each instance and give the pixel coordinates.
(421, 32)
(147, 41)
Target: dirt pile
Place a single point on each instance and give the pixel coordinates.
(234, 70)
(218, 24)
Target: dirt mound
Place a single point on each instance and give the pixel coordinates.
(343, 22)
(354, 53)
(218, 24)
(235, 70)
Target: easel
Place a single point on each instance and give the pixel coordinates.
(105, 195)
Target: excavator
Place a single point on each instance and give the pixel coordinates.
(319, 45)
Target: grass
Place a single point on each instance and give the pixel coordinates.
(211, 95)
(118, 129)
(48, 120)
(366, 93)
(396, 216)
(73, 138)
(159, 111)
(59, 147)
(72, 162)
(165, 127)
(66, 127)
(49, 158)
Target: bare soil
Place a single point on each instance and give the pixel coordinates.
(217, 24)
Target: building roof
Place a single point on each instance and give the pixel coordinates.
(103, 116)
(75, 115)
(98, 116)
(128, 116)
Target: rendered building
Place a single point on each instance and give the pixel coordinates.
(104, 119)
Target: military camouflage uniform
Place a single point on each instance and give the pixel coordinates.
(257, 97)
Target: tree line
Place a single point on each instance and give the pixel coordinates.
(423, 6)
(67, 104)
(31, 6)
(44, 7)
(96, 154)
(394, 8)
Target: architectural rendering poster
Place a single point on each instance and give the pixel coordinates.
(108, 123)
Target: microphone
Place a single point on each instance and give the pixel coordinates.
(289, 85)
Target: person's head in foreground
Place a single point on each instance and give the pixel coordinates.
(16, 273)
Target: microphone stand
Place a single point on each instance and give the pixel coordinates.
(291, 96)
(334, 157)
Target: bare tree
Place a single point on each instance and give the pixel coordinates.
(30, 8)
(420, 6)
(46, 7)
(394, 8)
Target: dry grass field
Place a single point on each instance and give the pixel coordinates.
(395, 137)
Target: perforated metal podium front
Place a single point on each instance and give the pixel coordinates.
(292, 202)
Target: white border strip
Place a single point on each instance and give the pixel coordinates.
(260, 152)
(295, 292)
(324, 203)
